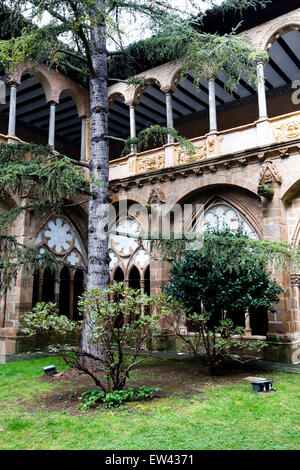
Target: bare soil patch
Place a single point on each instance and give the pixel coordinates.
(180, 379)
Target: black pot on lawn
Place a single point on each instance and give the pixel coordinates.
(263, 386)
(49, 370)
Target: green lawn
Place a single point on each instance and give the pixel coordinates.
(222, 414)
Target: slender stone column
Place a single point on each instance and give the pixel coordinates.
(213, 127)
(57, 289)
(83, 140)
(12, 109)
(248, 330)
(132, 126)
(169, 108)
(51, 135)
(262, 99)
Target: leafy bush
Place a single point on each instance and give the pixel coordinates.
(45, 324)
(216, 286)
(92, 397)
(118, 329)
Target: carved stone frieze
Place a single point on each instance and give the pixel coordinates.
(287, 131)
(200, 154)
(132, 166)
(154, 162)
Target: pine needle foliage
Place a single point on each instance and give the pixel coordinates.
(44, 180)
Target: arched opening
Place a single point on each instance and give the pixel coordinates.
(119, 275)
(134, 280)
(118, 126)
(48, 290)
(64, 293)
(147, 281)
(67, 127)
(282, 69)
(35, 290)
(151, 110)
(259, 321)
(78, 291)
(31, 109)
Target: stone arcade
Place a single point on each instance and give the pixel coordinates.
(245, 170)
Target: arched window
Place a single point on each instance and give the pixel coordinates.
(119, 275)
(48, 290)
(35, 291)
(147, 281)
(60, 237)
(221, 214)
(134, 280)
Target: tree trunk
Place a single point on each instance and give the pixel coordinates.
(98, 258)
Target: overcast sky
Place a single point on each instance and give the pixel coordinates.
(134, 31)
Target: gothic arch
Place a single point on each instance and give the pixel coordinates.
(58, 234)
(221, 212)
(278, 28)
(207, 200)
(216, 181)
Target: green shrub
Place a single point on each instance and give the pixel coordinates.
(114, 399)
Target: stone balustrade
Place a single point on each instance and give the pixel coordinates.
(212, 145)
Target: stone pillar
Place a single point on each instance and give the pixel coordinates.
(57, 289)
(83, 140)
(12, 109)
(262, 99)
(19, 297)
(51, 135)
(281, 331)
(169, 109)
(3, 299)
(248, 330)
(132, 126)
(213, 127)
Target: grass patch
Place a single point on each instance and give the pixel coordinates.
(194, 411)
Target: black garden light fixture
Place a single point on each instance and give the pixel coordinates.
(49, 370)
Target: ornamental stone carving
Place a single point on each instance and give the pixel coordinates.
(222, 215)
(125, 249)
(287, 131)
(59, 237)
(200, 154)
(156, 196)
(295, 280)
(269, 173)
(132, 166)
(125, 243)
(154, 162)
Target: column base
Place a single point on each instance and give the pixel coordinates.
(282, 349)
